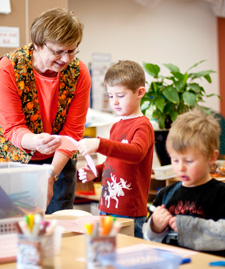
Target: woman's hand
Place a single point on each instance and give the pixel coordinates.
(160, 219)
(46, 143)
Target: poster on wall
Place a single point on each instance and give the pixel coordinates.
(9, 37)
(5, 6)
(98, 66)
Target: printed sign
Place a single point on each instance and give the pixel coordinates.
(9, 37)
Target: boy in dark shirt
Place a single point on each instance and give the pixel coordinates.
(192, 144)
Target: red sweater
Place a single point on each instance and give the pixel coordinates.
(12, 117)
(126, 172)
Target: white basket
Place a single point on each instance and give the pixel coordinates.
(164, 172)
(7, 226)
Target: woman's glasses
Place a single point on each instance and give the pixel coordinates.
(61, 53)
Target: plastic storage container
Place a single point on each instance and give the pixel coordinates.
(164, 172)
(23, 189)
(142, 259)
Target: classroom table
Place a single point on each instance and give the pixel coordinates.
(73, 251)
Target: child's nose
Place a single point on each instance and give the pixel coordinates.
(182, 166)
(115, 100)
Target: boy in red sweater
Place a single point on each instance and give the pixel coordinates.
(126, 173)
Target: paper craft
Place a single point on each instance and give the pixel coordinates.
(68, 143)
(77, 225)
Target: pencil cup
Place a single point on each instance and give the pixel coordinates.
(38, 251)
(29, 252)
(96, 246)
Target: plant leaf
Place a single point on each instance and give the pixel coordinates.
(172, 67)
(179, 84)
(189, 99)
(173, 115)
(152, 69)
(159, 103)
(193, 66)
(205, 74)
(171, 94)
(195, 87)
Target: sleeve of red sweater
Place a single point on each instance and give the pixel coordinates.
(12, 117)
(133, 152)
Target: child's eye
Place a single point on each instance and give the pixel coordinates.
(110, 96)
(121, 95)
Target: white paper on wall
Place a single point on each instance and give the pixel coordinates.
(5, 6)
(9, 37)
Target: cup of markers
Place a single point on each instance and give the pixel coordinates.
(100, 239)
(38, 242)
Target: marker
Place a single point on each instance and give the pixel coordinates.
(37, 224)
(51, 227)
(24, 228)
(217, 263)
(96, 229)
(30, 221)
(186, 260)
(107, 225)
(89, 228)
(116, 228)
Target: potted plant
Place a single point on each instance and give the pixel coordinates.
(169, 96)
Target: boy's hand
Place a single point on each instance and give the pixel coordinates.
(85, 174)
(160, 219)
(88, 145)
(172, 223)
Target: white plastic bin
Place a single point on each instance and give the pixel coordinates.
(23, 189)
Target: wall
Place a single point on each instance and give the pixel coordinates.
(179, 32)
(22, 15)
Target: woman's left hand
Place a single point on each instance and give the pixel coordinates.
(46, 143)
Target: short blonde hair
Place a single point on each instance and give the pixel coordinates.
(57, 26)
(125, 73)
(194, 129)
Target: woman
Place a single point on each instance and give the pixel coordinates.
(44, 91)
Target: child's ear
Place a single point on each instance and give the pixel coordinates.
(214, 157)
(141, 92)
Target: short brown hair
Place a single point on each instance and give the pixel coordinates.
(126, 73)
(194, 129)
(57, 26)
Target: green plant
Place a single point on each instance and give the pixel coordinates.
(169, 96)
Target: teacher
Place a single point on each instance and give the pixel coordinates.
(44, 92)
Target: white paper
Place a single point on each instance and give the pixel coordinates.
(9, 37)
(5, 6)
(68, 143)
